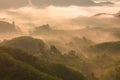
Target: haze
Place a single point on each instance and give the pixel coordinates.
(29, 13)
(59, 39)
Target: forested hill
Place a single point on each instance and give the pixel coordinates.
(107, 47)
(16, 64)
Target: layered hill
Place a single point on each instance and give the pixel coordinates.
(6, 27)
(27, 43)
(16, 64)
(41, 29)
(107, 47)
(80, 43)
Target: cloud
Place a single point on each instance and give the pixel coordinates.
(5, 4)
(59, 17)
(63, 2)
(108, 2)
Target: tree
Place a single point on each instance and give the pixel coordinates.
(53, 49)
(72, 53)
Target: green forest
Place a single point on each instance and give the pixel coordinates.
(28, 58)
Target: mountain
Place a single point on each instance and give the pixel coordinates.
(107, 15)
(41, 28)
(31, 45)
(12, 68)
(27, 43)
(107, 48)
(6, 27)
(103, 15)
(80, 43)
(48, 30)
(16, 64)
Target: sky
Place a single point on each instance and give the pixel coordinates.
(32, 13)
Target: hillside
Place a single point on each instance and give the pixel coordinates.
(54, 62)
(48, 52)
(42, 28)
(27, 43)
(80, 43)
(32, 45)
(108, 47)
(15, 64)
(6, 27)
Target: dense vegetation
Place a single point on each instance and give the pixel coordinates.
(51, 62)
(80, 43)
(108, 47)
(27, 43)
(15, 64)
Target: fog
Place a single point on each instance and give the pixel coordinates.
(31, 16)
(95, 23)
(83, 35)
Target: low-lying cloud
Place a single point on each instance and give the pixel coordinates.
(5, 4)
(31, 16)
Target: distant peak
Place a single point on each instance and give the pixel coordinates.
(104, 15)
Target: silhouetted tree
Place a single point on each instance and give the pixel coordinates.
(72, 53)
(53, 49)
